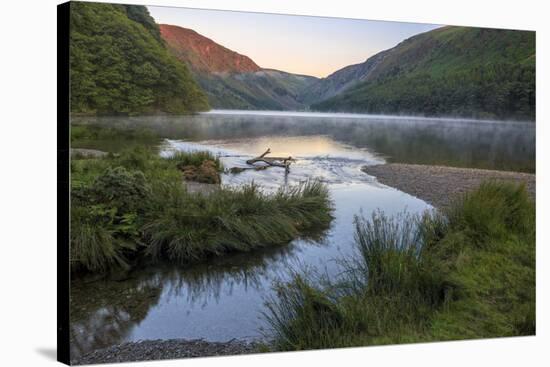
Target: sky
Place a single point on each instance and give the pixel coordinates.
(316, 46)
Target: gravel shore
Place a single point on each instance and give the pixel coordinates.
(148, 350)
(439, 185)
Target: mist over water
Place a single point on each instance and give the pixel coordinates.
(454, 142)
(224, 298)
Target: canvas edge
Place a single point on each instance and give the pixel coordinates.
(63, 156)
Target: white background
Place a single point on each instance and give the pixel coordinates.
(28, 182)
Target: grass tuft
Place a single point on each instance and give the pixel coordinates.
(94, 246)
(192, 227)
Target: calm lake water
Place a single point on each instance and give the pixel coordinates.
(224, 298)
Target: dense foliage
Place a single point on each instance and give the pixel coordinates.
(472, 72)
(119, 64)
(468, 274)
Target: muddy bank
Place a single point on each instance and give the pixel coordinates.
(439, 185)
(166, 349)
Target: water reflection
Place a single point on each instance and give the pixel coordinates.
(316, 157)
(107, 311)
(461, 143)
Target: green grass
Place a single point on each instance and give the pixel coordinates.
(467, 274)
(193, 227)
(94, 246)
(195, 159)
(134, 205)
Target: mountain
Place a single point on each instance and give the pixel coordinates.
(341, 80)
(232, 80)
(204, 55)
(120, 65)
(461, 71)
(266, 89)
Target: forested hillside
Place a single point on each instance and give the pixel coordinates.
(120, 65)
(460, 71)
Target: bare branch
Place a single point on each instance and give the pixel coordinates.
(283, 162)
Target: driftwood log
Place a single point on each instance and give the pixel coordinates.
(283, 162)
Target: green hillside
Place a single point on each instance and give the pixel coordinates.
(473, 72)
(119, 64)
(261, 90)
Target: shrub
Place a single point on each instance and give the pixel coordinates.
(124, 190)
(104, 219)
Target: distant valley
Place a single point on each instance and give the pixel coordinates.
(232, 80)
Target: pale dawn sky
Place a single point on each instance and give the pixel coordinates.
(298, 44)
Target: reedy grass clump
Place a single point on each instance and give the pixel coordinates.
(101, 239)
(195, 158)
(469, 274)
(192, 227)
(386, 288)
(494, 212)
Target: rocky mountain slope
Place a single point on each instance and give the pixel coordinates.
(232, 80)
(204, 55)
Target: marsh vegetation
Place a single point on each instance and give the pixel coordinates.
(134, 204)
(467, 273)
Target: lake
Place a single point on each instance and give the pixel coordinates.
(224, 298)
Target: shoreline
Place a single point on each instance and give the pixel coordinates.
(150, 350)
(440, 185)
